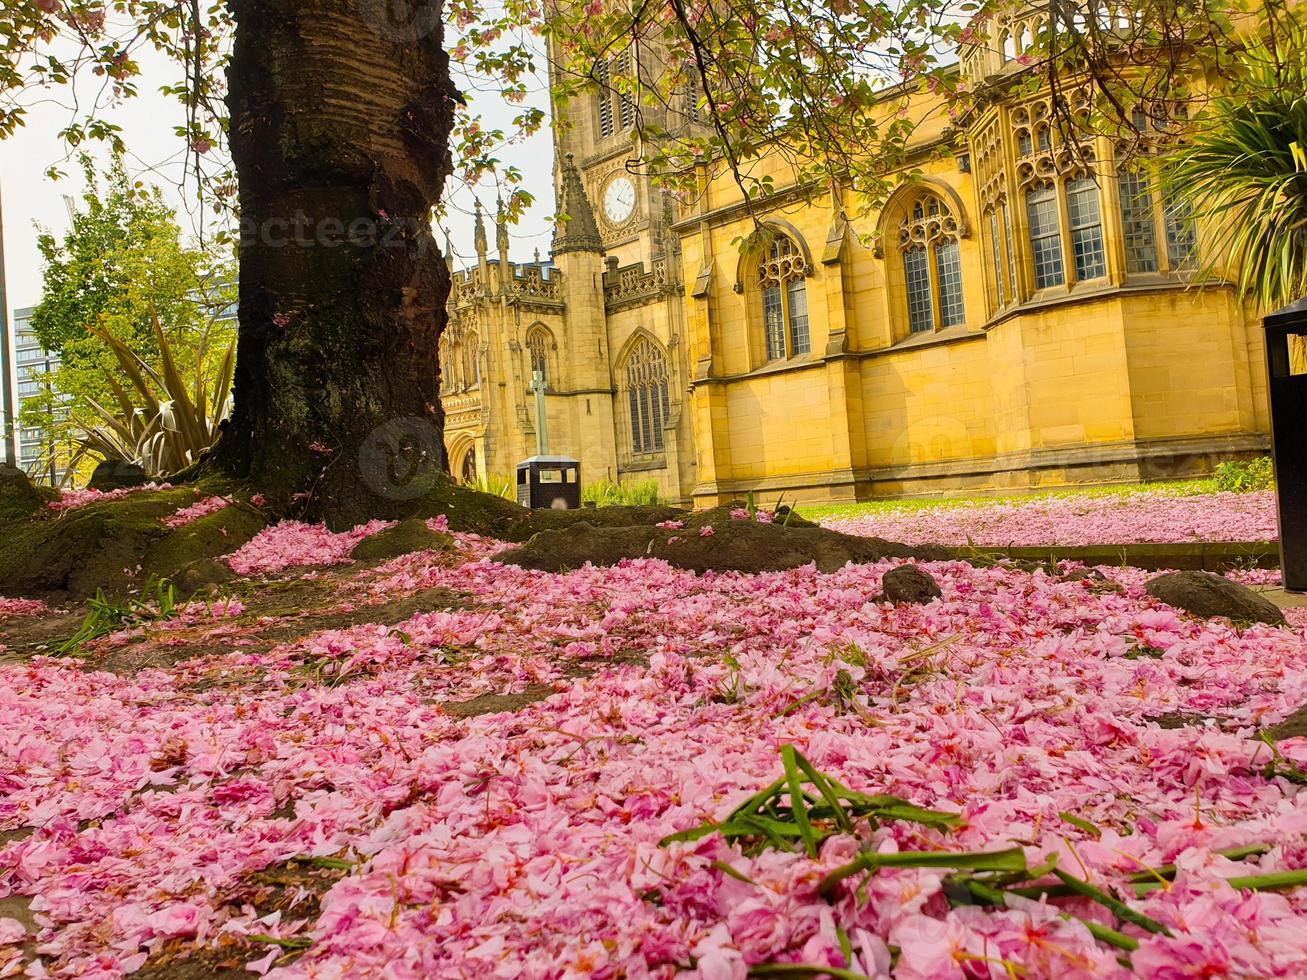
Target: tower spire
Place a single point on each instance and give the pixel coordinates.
(501, 227)
(482, 246)
(501, 242)
(577, 230)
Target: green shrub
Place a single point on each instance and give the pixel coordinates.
(497, 486)
(606, 493)
(1245, 477)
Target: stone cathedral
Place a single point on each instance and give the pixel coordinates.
(603, 319)
(1020, 314)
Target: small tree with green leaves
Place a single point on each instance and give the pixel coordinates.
(122, 268)
(1244, 167)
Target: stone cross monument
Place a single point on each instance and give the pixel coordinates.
(542, 420)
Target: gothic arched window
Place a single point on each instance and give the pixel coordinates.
(1045, 229)
(782, 280)
(471, 360)
(932, 265)
(1083, 238)
(539, 342)
(1059, 184)
(1086, 221)
(446, 365)
(1002, 260)
(1151, 214)
(646, 393)
(1138, 224)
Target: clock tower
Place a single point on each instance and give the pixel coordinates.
(599, 129)
(619, 200)
(602, 318)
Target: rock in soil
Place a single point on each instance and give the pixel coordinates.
(910, 584)
(117, 474)
(1208, 595)
(203, 574)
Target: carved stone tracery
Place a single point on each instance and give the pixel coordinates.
(784, 262)
(527, 283)
(990, 165)
(1042, 152)
(928, 222)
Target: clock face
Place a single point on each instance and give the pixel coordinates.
(619, 200)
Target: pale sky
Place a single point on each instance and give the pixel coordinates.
(155, 155)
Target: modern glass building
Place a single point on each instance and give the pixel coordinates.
(39, 453)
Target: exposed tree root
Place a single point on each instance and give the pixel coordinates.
(709, 541)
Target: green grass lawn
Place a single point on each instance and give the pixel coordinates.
(820, 512)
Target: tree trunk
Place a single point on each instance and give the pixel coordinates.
(340, 119)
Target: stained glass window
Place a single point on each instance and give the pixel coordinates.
(647, 397)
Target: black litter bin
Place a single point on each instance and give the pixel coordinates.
(1286, 360)
(549, 483)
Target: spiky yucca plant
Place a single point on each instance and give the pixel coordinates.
(1244, 167)
(180, 417)
(498, 486)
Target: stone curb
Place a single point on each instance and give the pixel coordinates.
(1204, 557)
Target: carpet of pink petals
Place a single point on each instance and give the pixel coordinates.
(292, 544)
(1146, 516)
(525, 844)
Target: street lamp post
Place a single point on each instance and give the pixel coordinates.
(8, 400)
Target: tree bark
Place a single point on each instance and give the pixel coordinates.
(340, 118)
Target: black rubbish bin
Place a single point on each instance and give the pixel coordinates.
(549, 483)
(1286, 360)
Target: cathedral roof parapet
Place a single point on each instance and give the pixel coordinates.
(633, 285)
(1006, 39)
(530, 282)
